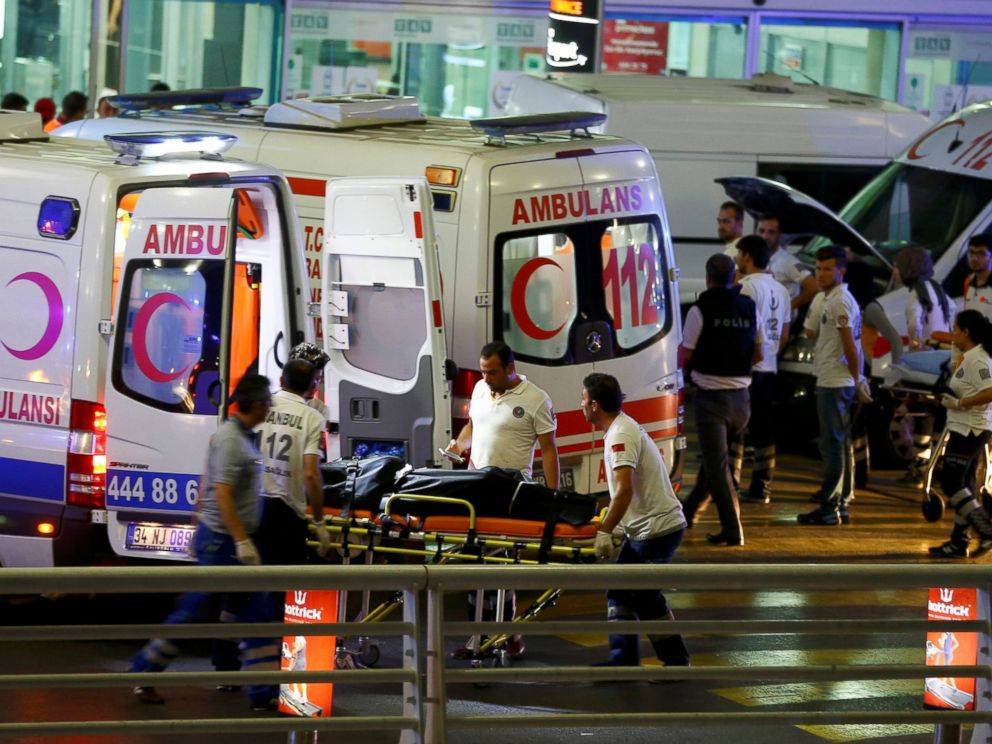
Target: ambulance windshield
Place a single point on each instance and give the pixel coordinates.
(908, 205)
(559, 284)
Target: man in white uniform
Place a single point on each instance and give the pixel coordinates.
(644, 508)
(772, 305)
(289, 440)
(978, 284)
(783, 265)
(835, 321)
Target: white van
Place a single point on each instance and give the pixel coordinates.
(551, 240)
(135, 291)
(936, 194)
(823, 141)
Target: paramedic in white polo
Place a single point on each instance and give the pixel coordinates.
(508, 416)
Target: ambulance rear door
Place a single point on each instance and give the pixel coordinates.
(169, 373)
(383, 320)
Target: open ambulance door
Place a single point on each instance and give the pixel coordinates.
(383, 321)
(169, 375)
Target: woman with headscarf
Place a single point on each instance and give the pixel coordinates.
(928, 310)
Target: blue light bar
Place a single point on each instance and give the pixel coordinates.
(156, 144)
(500, 126)
(58, 217)
(166, 99)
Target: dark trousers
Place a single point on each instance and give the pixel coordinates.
(956, 475)
(721, 416)
(761, 434)
(644, 604)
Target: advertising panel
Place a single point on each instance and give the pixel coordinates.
(573, 31)
(635, 46)
(302, 653)
(947, 649)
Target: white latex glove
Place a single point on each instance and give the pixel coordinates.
(603, 545)
(618, 535)
(324, 538)
(950, 402)
(247, 553)
(862, 391)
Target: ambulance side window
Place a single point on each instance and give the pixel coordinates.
(633, 282)
(538, 294)
(169, 334)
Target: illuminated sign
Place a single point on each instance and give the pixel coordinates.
(951, 649)
(573, 35)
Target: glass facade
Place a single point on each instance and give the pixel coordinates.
(947, 67)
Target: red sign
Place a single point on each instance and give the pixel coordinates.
(308, 653)
(949, 649)
(635, 46)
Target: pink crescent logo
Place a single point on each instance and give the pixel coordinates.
(518, 300)
(55, 316)
(140, 336)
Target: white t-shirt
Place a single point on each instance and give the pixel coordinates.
(771, 302)
(730, 249)
(290, 431)
(828, 313)
(654, 509)
(920, 324)
(691, 332)
(978, 297)
(973, 375)
(788, 270)
(505, 427)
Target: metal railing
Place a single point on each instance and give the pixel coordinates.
(425, 715)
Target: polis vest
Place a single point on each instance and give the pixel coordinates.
(726, 343)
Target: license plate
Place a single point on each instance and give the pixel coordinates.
(566, 481)
(172, 539)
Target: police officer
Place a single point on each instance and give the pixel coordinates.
(722, 340)
(771, 301)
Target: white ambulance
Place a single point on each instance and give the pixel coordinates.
(551, 240)
(936, 194)
(824, 141)
(136, 288)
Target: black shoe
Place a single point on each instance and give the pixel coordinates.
(984, 546)
(821, 516)
(722, 538)
(845, 516)
(816, 497)
(950, 549)
(759, 497)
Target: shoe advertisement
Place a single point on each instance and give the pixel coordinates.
(302, 653)
(948, 649)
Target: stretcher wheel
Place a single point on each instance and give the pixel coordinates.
(369, 655)
(933, 508)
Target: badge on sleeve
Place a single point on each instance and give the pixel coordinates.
(518, 412)
(843, 321)
(619, 447)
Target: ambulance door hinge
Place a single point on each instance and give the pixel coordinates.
(313, 310)
(106, 327)
(674, 274)
(484, 299)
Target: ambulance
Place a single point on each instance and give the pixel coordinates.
(138, 283)
(823, 141)
(936, 194)
(552, 240)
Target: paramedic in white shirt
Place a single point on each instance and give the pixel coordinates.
(771, 303)
(644, 509)
(969, 421)
(784, 266)
(834, 320)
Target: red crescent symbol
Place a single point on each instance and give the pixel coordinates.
(55, 316)
(914, 151)
(140, 340)
(518, 300)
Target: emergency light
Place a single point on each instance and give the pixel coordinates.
(498, 128)
(58, 217)
(133, 147)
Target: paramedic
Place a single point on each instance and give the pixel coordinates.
(644, 509)
(721, 341)
(978, 284)
(784, 266)
(771, 302)
(834, 320)
(228, 516)
(730, 226)
(289, 439)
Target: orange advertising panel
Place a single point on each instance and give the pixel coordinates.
(308, 653)
(949, 649)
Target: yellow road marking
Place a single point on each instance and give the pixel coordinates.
(859, 732)
(788, 694)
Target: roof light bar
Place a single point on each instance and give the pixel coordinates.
(133, 147)
(242, 96)
(500, 127)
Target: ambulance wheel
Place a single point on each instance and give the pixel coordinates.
(933, 508)
(891, 430)
(369, 656)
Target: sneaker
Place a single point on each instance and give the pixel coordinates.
(845, 516)
(265, 705)
(515, 646)
(754, 498)
(148, 695)
(950, 549)
(984, 546)
(821, 516)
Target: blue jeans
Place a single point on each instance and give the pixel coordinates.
(833, 409)
(259, 654)
(644, 604)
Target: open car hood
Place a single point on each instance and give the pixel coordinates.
(798, 213)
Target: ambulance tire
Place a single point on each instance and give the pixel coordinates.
(933, 507)
(891, 429)
(369, 655)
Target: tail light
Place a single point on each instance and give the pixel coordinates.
(461, 397)
(86, 477)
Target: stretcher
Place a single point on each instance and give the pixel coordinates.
(489, 516)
